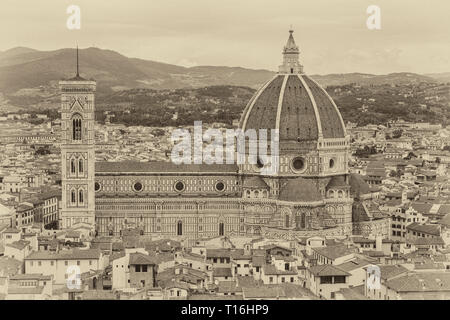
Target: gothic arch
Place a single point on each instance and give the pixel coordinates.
(221, 228)
(72, 166)
(73, 196)
(80, 165)
(77, 123)
(287, 221)
(179, 228)
(81, 196)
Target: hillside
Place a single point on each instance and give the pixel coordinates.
(440, 77)
(138, 91)
(25, 68)
(20, 68)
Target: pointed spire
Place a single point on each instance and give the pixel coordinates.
(291, 53)
(78, 71)
(77, 77)
(290, 45)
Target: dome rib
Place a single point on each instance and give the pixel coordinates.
(313, 101)
(248, 109)
(332, 103)
(280, 102)
(298, 113)
(262, 114)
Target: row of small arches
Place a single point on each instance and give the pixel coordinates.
(256, 194)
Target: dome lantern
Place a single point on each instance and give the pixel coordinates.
(291, 64)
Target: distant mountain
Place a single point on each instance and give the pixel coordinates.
(14, 52)
(441, 77)
(25, 68)
(21, 68)
(400, 78)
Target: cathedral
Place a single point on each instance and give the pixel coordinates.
(312, 193)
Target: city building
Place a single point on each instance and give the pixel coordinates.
(310, 194)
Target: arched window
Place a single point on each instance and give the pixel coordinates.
(76, 127)
(179, 228)
(73, 197)
(221, 229)
(248, 193)
(72, 166)
(80, 196)
(303, 221)
(286, 221)
(80, 166)
(340, 194)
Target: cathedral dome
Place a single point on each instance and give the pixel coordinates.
(293, 103)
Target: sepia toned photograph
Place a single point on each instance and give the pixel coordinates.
(243, 152)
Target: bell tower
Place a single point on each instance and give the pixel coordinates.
(77, 151)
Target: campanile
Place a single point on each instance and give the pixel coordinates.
(77, 151)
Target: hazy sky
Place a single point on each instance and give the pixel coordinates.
(332, 34)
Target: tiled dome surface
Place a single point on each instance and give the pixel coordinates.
(300, 109)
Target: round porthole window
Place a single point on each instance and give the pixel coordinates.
(298, 164)
(137, 186)
(220, 186)
(331, 163)
(97, 186)
(259, 163)
(179, 186)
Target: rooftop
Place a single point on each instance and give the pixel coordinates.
(421, 282)
(74, 254)
(327, 270)
(162, 167)
(334, 252)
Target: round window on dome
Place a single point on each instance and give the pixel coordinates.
(179, 186)
(137, 186)
(97, 186)
(220, 186)
(331, 163)
(259, 163)
(298, 164)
